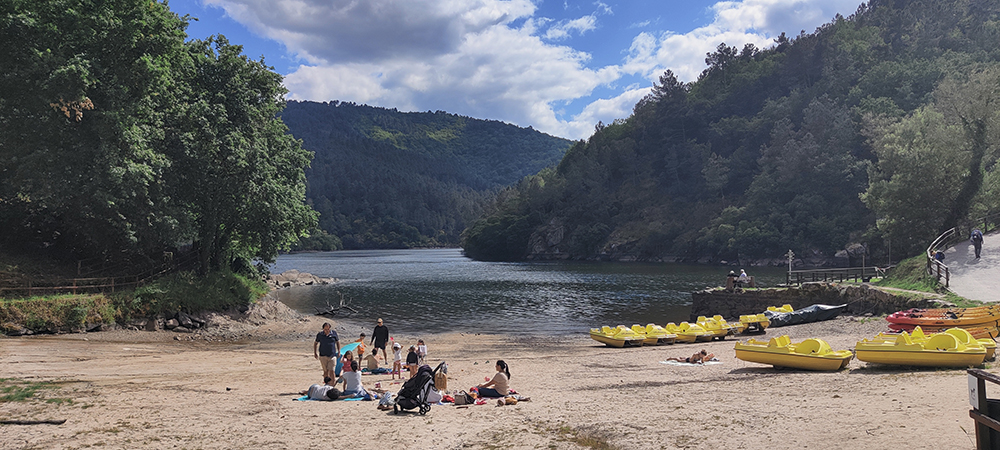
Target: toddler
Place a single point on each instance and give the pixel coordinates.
(421, 350)
(397, 360)
(346, 362)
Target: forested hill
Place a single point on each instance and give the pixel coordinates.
(382, 178)
(877, 129)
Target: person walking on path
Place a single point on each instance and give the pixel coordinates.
(326, 349)
(380, 337)
(977, 241)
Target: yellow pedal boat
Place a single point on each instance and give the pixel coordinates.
(786, 308)
(753, 323)
(939, 350)
(810, 354)
(620, 336)
(718, 326)
(655, 334)
(689, 332)
(918, 335)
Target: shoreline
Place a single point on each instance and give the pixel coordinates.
(146, 389)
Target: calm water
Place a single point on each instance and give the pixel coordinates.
(441, 290)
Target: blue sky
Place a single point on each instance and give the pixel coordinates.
(559, 66)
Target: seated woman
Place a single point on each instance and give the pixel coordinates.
(352, 382)
(499, 386)
(697, 358)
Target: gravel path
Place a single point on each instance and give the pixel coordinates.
(977, 279)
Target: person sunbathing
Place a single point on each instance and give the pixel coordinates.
(325, 391)
(697, 358)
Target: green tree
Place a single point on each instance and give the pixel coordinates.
(83, 94)
(236, 169)
(912, 186)
(932, 164)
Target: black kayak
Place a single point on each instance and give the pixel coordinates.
(814, 313)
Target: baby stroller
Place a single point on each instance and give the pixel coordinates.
(414, 392)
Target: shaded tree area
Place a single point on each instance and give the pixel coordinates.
(769, 149)
(387, 179)
(120, 141)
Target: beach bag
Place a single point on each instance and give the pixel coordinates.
(434, 396)
(461, 398)
(441, 381)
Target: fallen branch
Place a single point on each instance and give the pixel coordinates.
(332, 310)
(32, 422)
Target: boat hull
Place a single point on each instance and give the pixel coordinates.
(659, 340)
(795, 360)
(611, 341)
(925, 358)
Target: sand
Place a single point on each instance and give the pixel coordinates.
(137, 389)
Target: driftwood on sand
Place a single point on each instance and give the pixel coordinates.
(333, 310)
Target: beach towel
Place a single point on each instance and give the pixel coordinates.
(681, 363)
(304, 398)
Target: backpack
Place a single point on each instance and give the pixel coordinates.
(977, 236)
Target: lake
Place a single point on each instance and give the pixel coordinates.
(438, 290)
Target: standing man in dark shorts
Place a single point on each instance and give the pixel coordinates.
(327, 350)
(380, 337)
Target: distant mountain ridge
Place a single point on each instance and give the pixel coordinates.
(382, 178)
(824, 142)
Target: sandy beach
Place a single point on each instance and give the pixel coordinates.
(137, 389)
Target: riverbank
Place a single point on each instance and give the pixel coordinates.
(861, 299)
(127, 388)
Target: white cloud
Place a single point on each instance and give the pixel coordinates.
(604, 110)
(351, 31)
(565, 29)
(499, 73)
(497, 59)
(736, 23)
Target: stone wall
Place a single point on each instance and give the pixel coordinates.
(860, 299)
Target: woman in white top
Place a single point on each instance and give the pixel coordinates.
(499, 386)
(352, 382)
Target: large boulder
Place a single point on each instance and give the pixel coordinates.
(185, 320)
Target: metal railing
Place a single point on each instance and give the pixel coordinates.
(949, 238)
(91, 285)
(936, 268)
(833, 274)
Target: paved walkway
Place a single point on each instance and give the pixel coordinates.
(977, 279)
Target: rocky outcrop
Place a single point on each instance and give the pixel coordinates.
(545, 242)
(295, 278)
(860, 299)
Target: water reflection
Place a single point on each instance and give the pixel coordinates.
(441, 290)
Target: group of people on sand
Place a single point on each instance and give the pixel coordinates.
(327, 350)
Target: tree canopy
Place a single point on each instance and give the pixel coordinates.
(119, 140)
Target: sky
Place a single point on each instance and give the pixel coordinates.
(559, 66)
